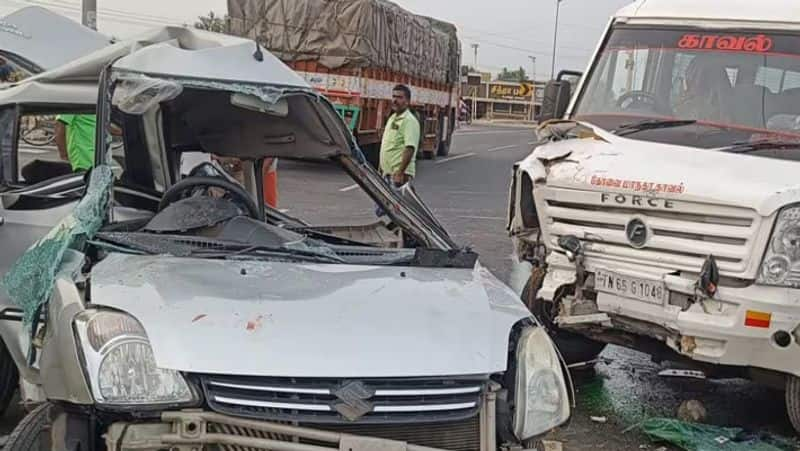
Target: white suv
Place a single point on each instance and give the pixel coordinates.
(663, 212)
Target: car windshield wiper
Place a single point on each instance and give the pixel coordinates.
(764, 144)
(188, 246)
(651, 124)
(236, 250)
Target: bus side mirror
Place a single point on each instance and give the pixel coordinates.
(556, 100)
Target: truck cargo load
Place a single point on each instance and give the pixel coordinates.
(355, 51)
(351, 33)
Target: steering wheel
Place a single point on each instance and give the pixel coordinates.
(631, 99)
(185, 187)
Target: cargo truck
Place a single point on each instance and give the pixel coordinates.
(354, 52)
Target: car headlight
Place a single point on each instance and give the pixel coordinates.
(781, 265)
(120, 365)
(542, 401)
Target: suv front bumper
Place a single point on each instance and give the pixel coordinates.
(714, 330)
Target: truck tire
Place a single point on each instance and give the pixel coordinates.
(29, 433)
(573, 347)
(793, 401)
(444, 141)
(444, 149)
(9, 378)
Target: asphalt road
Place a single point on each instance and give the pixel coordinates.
(468, 192)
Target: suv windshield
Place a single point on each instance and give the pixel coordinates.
(737, 85)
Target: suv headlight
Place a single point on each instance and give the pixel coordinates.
(542, 401)
(120, 365)
(781, 265)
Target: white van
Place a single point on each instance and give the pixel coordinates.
(663, 212)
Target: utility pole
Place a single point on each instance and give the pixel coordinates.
(89, 13)
(533, 92)
(555, 40)
(474, 89)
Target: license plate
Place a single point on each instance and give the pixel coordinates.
(652, 291)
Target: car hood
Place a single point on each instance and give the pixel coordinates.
(605, 162)
(312, 320)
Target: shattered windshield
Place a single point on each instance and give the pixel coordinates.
(214, 173)
(729, 86)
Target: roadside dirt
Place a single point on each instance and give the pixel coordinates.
(626, 390)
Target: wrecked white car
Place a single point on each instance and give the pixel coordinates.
(26, 38)
(662, 214)
(181, 313)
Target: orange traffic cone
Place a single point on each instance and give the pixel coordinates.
(271, 182)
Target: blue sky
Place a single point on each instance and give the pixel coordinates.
(507, 31)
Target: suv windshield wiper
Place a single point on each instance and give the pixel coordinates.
(651, 124)
(236, 250)
(764, 144)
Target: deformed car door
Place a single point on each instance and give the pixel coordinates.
(27, 213)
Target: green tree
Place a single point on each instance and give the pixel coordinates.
(213, 22)
(466, 70)
(518, 75)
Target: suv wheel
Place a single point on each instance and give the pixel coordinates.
(793, 400)
(575, 348)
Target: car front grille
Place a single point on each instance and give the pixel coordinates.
(681, 237)
(345, 401)
(461, 435)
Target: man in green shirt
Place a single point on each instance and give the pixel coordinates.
(75, 138)
(400, 140)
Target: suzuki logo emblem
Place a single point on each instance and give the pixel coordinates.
(353, 400)
(637, 233)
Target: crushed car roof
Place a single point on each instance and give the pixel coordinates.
(182, 52)
(45, 39)
(209, 62)
(66, 94)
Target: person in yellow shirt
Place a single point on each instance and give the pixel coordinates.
(400, 140)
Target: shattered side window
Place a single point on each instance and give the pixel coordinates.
(8, 118)
(30, 280)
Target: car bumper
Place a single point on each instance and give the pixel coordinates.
(719, 330)
(199, 429)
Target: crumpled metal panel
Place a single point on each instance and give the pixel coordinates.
(351, 33)
(30, 280)
(137, 94)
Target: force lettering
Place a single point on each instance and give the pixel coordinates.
(635, 200)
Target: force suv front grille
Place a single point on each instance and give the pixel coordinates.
(345, 401)
(680, 237)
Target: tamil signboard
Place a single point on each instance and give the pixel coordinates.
(511, 91)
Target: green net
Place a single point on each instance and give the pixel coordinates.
(704, 437)
(30, 280)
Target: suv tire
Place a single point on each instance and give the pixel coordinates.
(793, 400)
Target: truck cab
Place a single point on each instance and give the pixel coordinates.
(659, 209)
